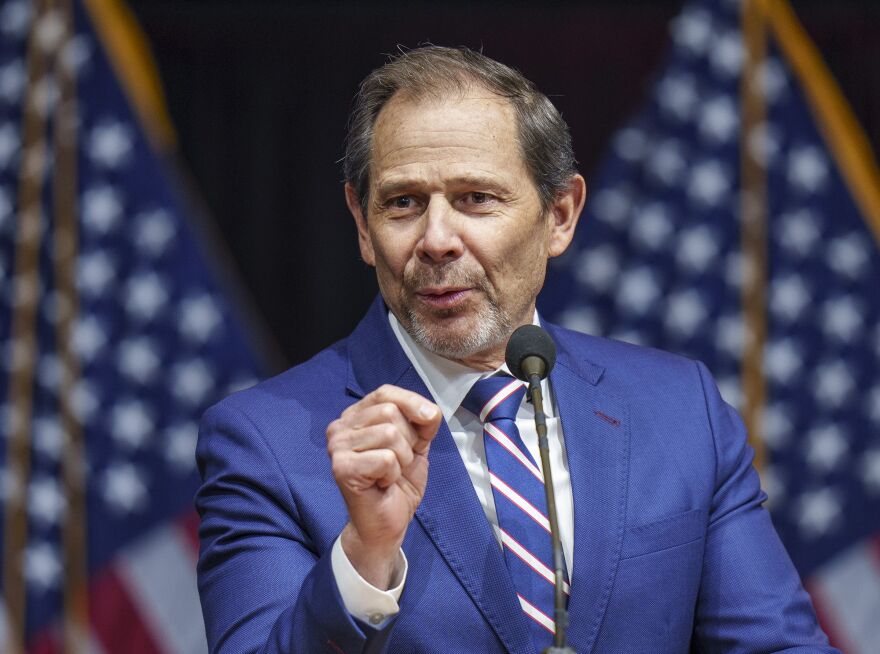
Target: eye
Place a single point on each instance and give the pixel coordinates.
(401, 202)
(478, 202)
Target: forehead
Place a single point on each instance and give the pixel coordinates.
(432, 135)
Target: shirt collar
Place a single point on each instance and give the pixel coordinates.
(447, 381)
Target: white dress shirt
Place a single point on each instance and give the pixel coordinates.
(449, 382)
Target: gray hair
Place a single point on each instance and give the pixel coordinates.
(544, 137)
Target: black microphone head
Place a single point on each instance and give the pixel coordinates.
(529, 341)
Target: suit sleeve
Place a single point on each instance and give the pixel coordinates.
(751, 598)
(263, 586)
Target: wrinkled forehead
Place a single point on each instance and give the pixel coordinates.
(476, 128)
(469, 99)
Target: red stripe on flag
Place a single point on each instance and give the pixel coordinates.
(115, 619)
(825, 617)
(188, 524)
(874, 551)
(45, 642)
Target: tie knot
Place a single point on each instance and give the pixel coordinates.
(495, 398)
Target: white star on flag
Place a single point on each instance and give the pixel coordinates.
(49, 438)
(651, 226)
(110, 144)
(667, 162)
(101, 208)
(84, 400)
(818, 511)
(46, 503)
(799, 231)
(638, 290)
(807, 168)
(199, 318)
(677, 94)
(697, 248)
(849, 255)
(777, 425)
(145, 295)
(719, 120)
(842, 318)
(42, 566)
(598, 267)
(95, 271)
(826, 447)
(180, 447)
(89, 338)
(131, 424)
(782, 360)
(685, 311)
(693, 30)
(788, 297)
(727, 54)
(191, 380)
(124, 488)
(709, 183)
(138, 359)
(832, 383)
(15, 18)
(153, 231)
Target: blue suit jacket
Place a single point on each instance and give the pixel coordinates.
(672, 548)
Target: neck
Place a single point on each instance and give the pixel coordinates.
(483, 361)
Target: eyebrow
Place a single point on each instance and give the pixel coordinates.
(476, 181)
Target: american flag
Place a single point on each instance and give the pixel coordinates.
(736, 221)
(114, 337)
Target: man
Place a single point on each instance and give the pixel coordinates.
(461, 180)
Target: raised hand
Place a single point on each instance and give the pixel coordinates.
(379, 452)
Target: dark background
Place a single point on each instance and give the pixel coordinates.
(260, 92)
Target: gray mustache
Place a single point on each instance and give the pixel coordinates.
(445, 276)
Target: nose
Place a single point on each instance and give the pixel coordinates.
(440, 242)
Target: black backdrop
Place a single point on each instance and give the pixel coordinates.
(259, 93)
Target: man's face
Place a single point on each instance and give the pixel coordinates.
(454, 224)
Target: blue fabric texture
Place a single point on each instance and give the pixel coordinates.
(673, 549)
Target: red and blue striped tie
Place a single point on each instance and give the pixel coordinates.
(520, 502)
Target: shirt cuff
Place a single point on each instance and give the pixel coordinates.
(363, 600)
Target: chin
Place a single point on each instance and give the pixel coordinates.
(455, 339)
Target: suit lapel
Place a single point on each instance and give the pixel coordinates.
(595, 426)
(450, 512)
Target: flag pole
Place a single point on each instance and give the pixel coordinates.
(838, 125)
(26, 282)
(65, 252)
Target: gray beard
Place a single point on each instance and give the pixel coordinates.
(494, 327)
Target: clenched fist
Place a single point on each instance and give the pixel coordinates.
(379, 451)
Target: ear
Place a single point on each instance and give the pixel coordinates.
(364, 240)
(564, 214)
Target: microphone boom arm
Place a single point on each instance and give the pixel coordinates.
(535, 368)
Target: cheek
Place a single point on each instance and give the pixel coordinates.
(518, 272)
(392, 253)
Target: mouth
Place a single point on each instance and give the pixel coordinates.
(443, 297)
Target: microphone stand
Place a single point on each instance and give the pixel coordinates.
(560, 612)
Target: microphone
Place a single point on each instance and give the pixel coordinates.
(530, 351)
(530, 356)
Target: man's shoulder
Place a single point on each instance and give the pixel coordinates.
(608, 352)
(310, 386)
(623, 365)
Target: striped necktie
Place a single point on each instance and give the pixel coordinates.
(520, 502)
